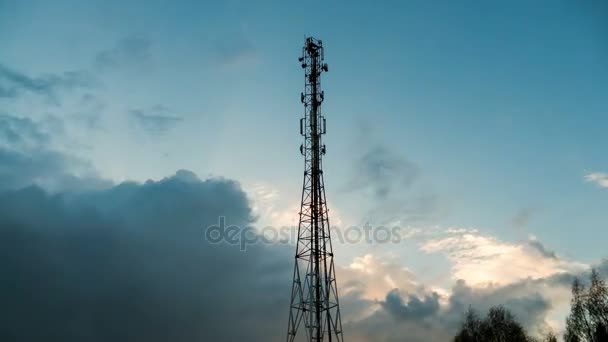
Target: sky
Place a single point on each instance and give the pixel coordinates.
(476, 127)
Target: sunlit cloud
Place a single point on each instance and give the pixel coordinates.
(269, 208)
(482, 259)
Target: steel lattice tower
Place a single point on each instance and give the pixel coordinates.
(314, 294)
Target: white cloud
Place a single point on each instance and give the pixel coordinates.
(599, 178)
(481, 259)
(269, 207)
(374, 276)
(273, 208)
(369, 279)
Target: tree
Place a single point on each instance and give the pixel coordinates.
(550, 337)
(597, 301)
(588, 318)
(587, 321)
(498, 326)
(471, 328)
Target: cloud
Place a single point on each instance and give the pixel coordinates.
(127, 261)
(383, 301)
(390, 185)
(371, 277)
(50, 170)
(412, 307)
(21, 132)
(270, 208)
(599, 178)
(90, 110)
(541, 249)
(14, 83)
(414, 312)
(128, 52)
(130, 262)
(527, 301)
(481, 259)
(523, 217)
(382, 172)
(156, 120)
(27, 159)
(387, 301)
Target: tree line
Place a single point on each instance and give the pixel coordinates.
(587, 321)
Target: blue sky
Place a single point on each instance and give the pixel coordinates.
(500, 108)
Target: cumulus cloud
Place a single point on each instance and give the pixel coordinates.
(131, 262)
(599, 178)
(411, 311)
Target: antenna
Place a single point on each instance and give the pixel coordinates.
(314, 294)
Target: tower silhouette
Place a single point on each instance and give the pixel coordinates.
(314, 294)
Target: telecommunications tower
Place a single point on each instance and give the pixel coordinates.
(314, 311)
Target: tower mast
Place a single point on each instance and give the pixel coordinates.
(314, 295)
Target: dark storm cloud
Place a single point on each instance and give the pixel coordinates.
(13, 83)
(155, 120)
(97, 262)
(127, 262)
(131, 263)
(128, 52)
